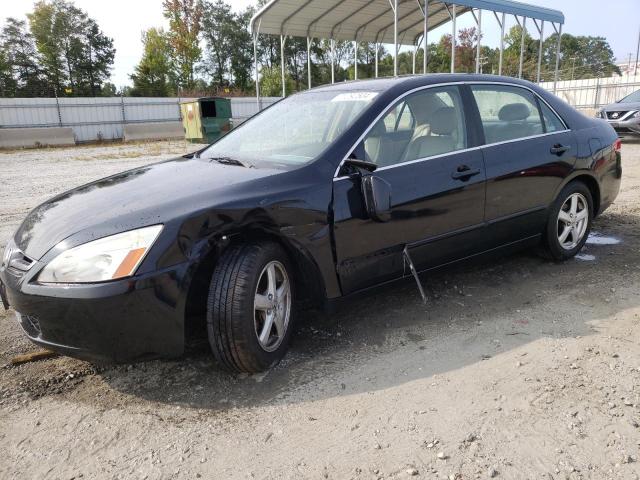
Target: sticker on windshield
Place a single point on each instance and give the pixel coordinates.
(355, 97)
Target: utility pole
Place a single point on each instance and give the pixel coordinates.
(635, 72)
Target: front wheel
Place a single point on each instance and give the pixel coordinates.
(569, 222)
(249, 308)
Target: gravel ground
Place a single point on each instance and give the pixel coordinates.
(517, 369)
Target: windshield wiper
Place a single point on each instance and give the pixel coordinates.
(231, 161)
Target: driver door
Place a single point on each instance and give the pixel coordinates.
(421, 147)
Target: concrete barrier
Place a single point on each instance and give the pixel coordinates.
(153, 131)
(36, 137)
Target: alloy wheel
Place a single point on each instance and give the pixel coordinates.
(272, 306)
(573, 220)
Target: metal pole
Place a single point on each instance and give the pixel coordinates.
(333, 58)
(540, 51)
(453, 39)
(524, 31)
(555, 77)
(501, 43)
(376, 61)
(55, 92)
(395, 37)
(255, 61)
(309, 61)
(425, 33)
(479, 38)
(284, 86)
(413, 63)
(635, 72)
(355, 59)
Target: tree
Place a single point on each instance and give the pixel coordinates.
(153, 76)
(74, 53)
(7, 82)
(219, 29)
(581, 57)
(185, 23)
(271, 82)
(242, 58)
(97, 55)
(19, 69)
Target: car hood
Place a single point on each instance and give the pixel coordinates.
(622, 107)
(143, 196)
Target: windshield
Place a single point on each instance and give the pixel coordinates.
(633, 98)
(294, 131)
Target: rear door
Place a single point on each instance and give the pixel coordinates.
(528, 153)
(423, 151)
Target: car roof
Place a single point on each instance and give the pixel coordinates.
(414, 81)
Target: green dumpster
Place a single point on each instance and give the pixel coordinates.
(206, 119)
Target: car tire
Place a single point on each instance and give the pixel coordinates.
(250, 307)
(569, 222)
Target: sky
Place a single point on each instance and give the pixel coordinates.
(124, 20)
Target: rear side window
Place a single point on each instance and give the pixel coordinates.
(507, 113)
(551, 120)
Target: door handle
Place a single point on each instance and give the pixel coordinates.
(559, 149)
(464, 172)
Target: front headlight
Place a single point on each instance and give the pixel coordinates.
(599, 114)
(108, 258)
(636, 115)
(7, 255)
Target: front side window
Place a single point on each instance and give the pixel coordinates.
(426, 123)
(507, 113)
(294, 131)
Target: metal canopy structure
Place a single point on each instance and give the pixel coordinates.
(396, 22)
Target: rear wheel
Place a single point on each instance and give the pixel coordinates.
(569, 222)
(249, 308)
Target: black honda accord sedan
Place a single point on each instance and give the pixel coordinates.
(323, 195)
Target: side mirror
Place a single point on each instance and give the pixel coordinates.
(376, 193)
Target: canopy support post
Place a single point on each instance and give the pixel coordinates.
(309, 62)
(333, 61)
(425, 33)
(453, 39)
(395, 37)
(415, 52)
(376, 59)
(255, 63)
(355, 59)
(479, 38)
(284, 86)
(501, 57)
(555, 77)
(541, 31)
(524, 32)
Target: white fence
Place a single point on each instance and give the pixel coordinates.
(103, 118)
(592, 93)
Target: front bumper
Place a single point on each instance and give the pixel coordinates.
(124, 320)
(626, 127)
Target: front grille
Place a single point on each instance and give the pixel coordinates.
(623, 130)
(616, 115)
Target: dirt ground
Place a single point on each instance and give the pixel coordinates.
(517, 368)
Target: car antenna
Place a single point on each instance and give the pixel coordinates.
(407, 259)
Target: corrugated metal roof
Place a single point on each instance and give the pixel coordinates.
(372, 20)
